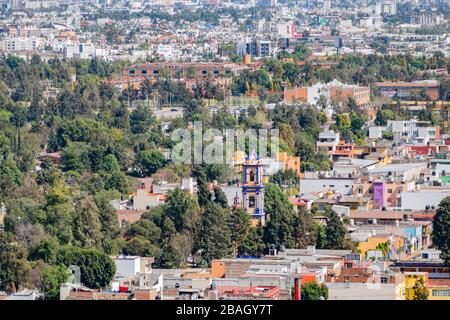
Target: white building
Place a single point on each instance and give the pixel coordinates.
(328, 140)
(129, 266)
(342, 186)
(21, 44)
(422, 199)
(405, 131)
(365, 291)
(81, 51)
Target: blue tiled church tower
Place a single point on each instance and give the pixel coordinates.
(253, 189)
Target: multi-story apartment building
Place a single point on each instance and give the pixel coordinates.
(409, 131)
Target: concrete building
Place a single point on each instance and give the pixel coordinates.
(130, 266)
(341, 186)
(366, 291)
(410, 90)
(412, 131)
(340, 93)
(423, 199)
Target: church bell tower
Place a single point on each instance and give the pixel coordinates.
(253, 189)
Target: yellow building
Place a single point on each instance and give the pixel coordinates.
(410, 281)
(438, 289)
(289, 163)
(238, 159)
(373, 241)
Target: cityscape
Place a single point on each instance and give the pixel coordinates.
(224, 150)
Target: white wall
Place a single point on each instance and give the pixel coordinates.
(127, 266)
(364, 291)
(343, 186)
(419, 200)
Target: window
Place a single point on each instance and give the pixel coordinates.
(156, 71)
(384, 280)
(389, 190)
(424, 255)
(204, 72)
(251, 201)
(132, 72)
(440, 293)
(216, 72)
(252, 175)
(144, 71)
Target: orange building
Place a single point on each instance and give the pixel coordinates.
(295, 94)
(344, 149)
(340, 92)
(289, 163)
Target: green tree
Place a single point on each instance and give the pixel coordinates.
(288, 178)
(14, 267)
(215, 234)
(383, 116)
(146, 229)
(181, 209)
(441, 229)
(203, 193)
(141, 120)
(314, 291)
(305, 230)
(51, 280)
(150, 161)
(86, 223)
(335, 232)
(140, 246)
(321, 240)
(240, 228)
(46, 250)
(108, 217)
(220, 197)
(279, 228)
(97, 268)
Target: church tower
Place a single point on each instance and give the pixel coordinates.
(253, 189)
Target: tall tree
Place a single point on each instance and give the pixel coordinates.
(335, 232)
(87, 226)
(305, 229)
(204, 195)
(215, 235)
(441, 229)
(279, 228)
(14, 267)
(141, 120)
(240, 229)
(220, 197)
